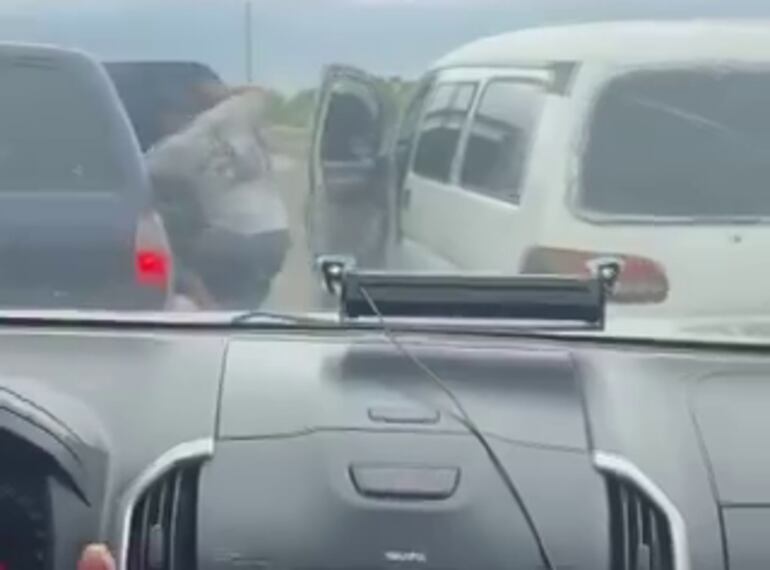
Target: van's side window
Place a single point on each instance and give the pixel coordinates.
(442, 124)
(498, 145)
(407, 130)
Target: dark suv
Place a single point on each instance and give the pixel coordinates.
(77, 226)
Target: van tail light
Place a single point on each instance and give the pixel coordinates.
(641, 280)
(153, 262)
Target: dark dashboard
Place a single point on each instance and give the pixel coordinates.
(329, 450)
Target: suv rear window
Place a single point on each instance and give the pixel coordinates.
(684, 143)
(51, 135)
(161, 97)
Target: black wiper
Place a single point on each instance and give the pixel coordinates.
(260, 317)
(518, 300)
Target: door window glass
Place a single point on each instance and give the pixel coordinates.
(408, 130)
(442, 123)
(498, 145)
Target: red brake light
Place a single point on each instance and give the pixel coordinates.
(152, 268)
(153, 263)
(641, 280)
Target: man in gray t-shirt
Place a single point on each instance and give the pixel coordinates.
(227, 220)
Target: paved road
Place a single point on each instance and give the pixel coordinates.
(296, 288)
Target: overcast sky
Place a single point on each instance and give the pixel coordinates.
(294, 38)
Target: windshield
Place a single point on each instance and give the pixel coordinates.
(200, 156)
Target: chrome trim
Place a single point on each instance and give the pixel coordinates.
(622, 467)
(189, 450)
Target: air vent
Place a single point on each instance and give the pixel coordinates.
(639, 530)
(163, 523)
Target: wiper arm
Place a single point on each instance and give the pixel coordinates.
(260, 317)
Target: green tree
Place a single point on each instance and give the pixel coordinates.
(275, 102)
(298, 110)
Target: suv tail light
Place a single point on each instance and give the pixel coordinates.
(641, 280)
(153, 262)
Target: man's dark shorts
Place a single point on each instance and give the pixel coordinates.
(238, 269)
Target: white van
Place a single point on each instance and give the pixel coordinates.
(547, 150)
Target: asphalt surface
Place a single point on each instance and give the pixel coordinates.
(296, 288)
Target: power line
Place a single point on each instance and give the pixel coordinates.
(248, 42)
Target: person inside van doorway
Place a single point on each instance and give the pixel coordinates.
(229, 225)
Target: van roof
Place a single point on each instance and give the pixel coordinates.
(637, 42)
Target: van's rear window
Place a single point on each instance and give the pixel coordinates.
(53, 132)
(685, 143)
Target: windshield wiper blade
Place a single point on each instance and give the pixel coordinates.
(521, 300)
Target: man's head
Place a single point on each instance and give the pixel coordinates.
(211, 93)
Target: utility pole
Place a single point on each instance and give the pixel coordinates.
(249, 42)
